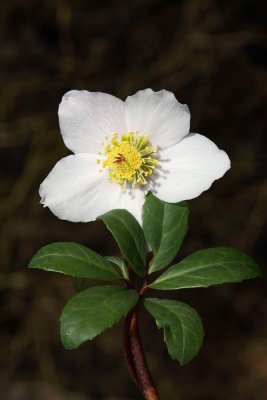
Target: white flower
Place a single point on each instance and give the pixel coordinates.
(122, 150)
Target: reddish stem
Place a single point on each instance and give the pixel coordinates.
(135, 357)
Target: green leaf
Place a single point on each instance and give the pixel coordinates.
(208, 267)
(80, 284)
(92, 311)
(165, 226)
(75, 260)
(128, 234)
(183, 331)
(121, 263)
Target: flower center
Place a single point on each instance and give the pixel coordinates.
(129, 159)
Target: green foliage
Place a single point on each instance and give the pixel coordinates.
(128, 234)
(208, 267)
(81, 284)
(121, 263)
(75, 260)
(165, 226)
(183, 331)
(92, 311)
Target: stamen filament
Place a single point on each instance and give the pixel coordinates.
(129, 159)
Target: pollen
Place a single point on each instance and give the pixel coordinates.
(130, 159)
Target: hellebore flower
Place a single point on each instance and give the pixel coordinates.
(122, 150)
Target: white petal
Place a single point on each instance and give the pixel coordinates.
(189, 168)
(85, 119)
(159, 115)
(75, 190)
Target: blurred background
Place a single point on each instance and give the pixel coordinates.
(212, 55)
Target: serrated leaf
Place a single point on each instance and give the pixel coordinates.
(165, 226)
(183, 331)
(92, 311)
(75, 260)
(208, 267)
(130, 238)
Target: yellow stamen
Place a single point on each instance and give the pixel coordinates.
(128, 159)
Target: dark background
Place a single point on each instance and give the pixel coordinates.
(212, 55)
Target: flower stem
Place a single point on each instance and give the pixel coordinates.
(135, 358)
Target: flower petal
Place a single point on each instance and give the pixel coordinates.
(188, 168)
(76, 191)
(85, 119)
(159, 115)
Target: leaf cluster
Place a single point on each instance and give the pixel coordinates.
(144, 251)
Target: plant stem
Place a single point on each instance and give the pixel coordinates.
(135, 357)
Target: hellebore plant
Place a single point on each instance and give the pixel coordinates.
(134, 165)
